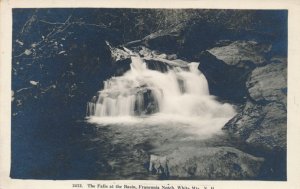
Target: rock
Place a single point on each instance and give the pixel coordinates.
(262, 123)
(271, 131)
(167, 41)
(269, 83)
(231, 45)
(227, 67)
(158, 165)
(150, 103)
(238, 52)
(121, 66)
(211, 163)
(225, 81)
(245, 121)
(147, 103)
(262, 127)
(159, 61)
(162, 56)
(172, 57)
(144, 52)
(156, 60)
(118, 54)
(163, 65)
(121, 60)
(184, 39)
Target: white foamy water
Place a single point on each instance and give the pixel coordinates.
(149, 97)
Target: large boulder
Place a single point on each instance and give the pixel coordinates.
(262, 123)
(238, 52)
(166, 40)
(228, 65)
(246, 121)
(269, 83)
(207, 163)
(271, 131)
(263, 127)
(225, 81)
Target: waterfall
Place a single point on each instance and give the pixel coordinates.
(181, 92)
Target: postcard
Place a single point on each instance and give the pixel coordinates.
(149, 95)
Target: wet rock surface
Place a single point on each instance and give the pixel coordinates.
(262, 123)
(268, 83)
(213, 163)
(271, 132)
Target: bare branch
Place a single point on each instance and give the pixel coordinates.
(23, 89)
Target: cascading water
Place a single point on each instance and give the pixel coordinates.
(154, 97)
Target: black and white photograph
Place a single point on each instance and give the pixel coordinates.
(161, 94)
(149, 94)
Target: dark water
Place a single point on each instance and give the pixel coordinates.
(125, 150)
(80, 150)
(91, 151)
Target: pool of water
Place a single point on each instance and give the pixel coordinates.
(115, 150)
(122, 151)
